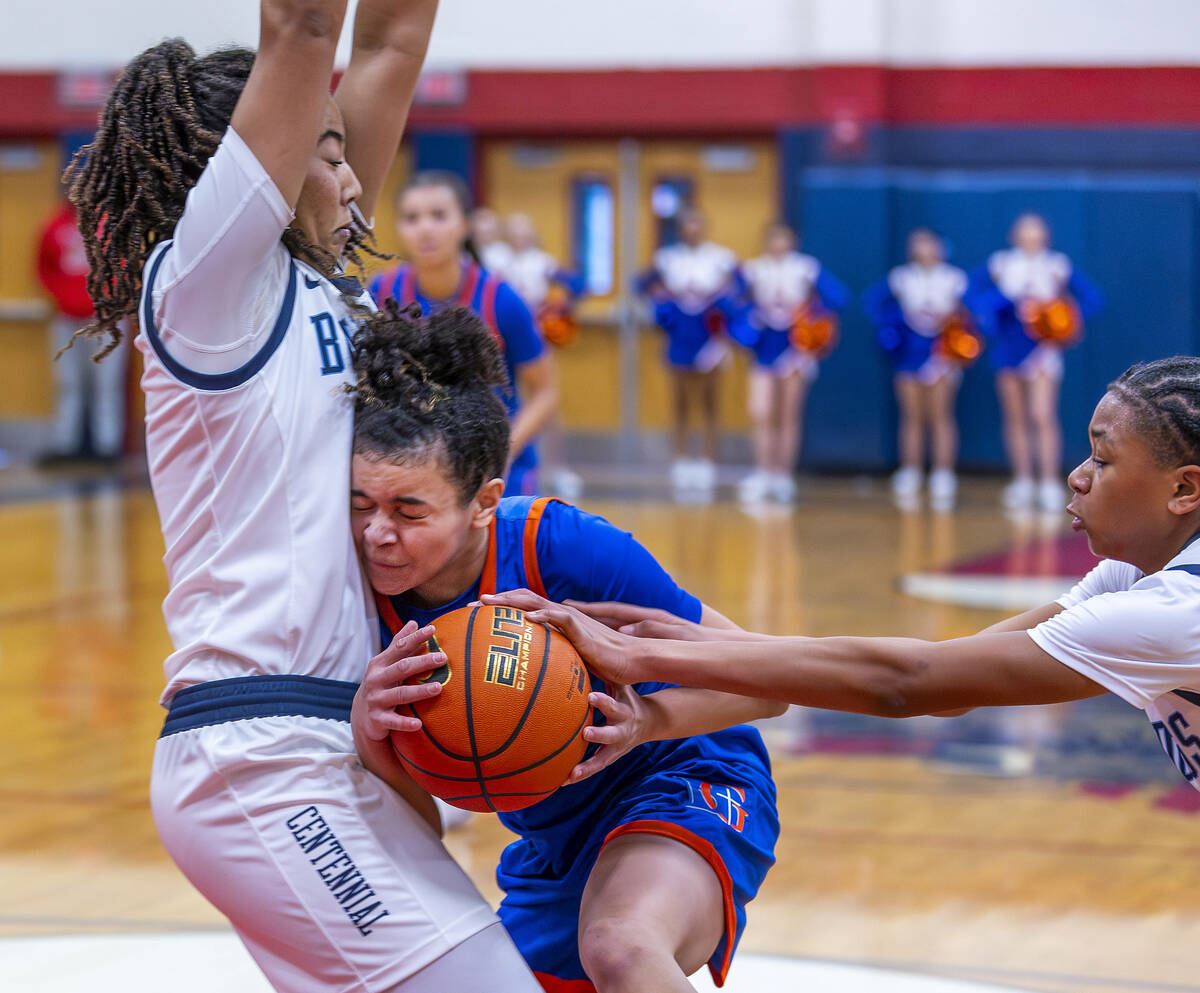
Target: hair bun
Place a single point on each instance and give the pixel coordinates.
(402, 357)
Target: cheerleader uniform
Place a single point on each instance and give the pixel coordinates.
(909, 309)
(1012, 277)
(778, 287)
(532, 272)
(713, 792)
(506, 315)
(692, 306)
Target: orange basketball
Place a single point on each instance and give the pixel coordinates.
(506, 730)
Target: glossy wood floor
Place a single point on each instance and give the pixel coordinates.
(886, 857)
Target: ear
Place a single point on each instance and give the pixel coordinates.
(485, 503)
(1186, 497)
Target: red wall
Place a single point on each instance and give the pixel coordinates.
(745, 101)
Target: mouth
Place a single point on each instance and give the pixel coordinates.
(385, 567)
(1076, 521)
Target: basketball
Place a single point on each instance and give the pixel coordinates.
(506, 730)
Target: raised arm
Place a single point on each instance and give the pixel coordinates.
(376, 92)
(280, 112)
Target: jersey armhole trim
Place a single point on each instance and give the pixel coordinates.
(215, 382)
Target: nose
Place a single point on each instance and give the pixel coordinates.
(1080, 480)
(351, 187)
(379, 531)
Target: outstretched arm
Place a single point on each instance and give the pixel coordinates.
(887, 677)
(376, 92)
(280, 110)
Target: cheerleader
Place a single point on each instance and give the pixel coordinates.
(550, 291)
(789, 325)
(432, 211)
(1031, 302)
(494, 252)
(918, 312)
(691, 284)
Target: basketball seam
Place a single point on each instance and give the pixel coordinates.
(474, 758)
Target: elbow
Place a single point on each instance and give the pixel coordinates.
(303, 21)
(898, 693)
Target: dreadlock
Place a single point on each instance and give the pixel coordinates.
(426, 386)
(163, 121)
(1164, 396)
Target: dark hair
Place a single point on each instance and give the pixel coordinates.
(452, 181)
(426, 387)
(163, 121)
(1165, 398)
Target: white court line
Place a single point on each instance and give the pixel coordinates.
(999, 592)
(216, 961)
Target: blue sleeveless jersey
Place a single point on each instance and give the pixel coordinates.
(505, 314)
(715, 787)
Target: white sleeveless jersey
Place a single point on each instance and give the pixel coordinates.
(780, 286)
(927, 294)
(530, 273)
(248, 436)
(495, 257)
(1139, 637)
(1021, 276)
(695, 277)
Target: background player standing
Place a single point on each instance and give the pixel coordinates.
(442, 271)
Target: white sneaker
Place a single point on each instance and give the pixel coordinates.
(1051, 497)
(782, 487)
(566, 484)
(943, 489)
(754, 488)
(906, 487)
(704, 476)
(682, 473)
(1020, 494)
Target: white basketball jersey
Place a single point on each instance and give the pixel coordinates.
(1021, 276)
(248, 436)
(927, 294)
(1139, 637)
(530, 272)
(695, 277)
(781, 285)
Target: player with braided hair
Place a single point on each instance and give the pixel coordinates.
(219, 204)
(1131, 626)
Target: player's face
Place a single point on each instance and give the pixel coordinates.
(431, 225)
(1119, 493)
(691, 227)
(330, 186)
(409, 524)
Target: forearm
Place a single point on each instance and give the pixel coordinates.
(390, 38)
(682, 712)
(536, 410)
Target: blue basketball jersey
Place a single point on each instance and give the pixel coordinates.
(501, 309)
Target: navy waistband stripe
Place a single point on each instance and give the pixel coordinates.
(244, 697)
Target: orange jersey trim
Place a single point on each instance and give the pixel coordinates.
(533, 573)
(552, 984)
(706, 851)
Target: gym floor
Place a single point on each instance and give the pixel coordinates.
(1041, 849)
